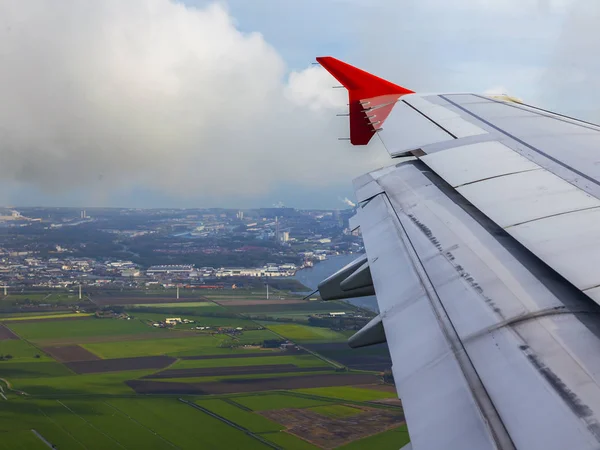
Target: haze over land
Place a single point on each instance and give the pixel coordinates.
(154, 103)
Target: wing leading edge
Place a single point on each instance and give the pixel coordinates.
(495, 343)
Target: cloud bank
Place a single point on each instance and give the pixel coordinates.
(112, 97)
(116, 94)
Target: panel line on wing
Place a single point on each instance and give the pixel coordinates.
(522, 142)
(549, 114)
(550, 215)
(496, 176)
(525, 317)
(430, 119)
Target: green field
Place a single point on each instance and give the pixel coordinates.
(99, 410)
(45, 316)
(388, 440)
(23, 439)
(253, 337)
(302, 333)
(183, 425)
(79, 328)
(187, 346)
(348, 393)
(249, 420)
(297, 360)
(54, 298)
(40, 314)
(110, 383)
(21, 351)
(289, 441)
(277, 401)
(117, 423)
(199, 321)
(336, 410)
(105, 425)
(18, 370)
(244, 377)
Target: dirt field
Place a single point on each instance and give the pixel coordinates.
(6, 334)
(237, 302)
(106, 301)
(329, 432)
(249, 384)
(243, 370)
(70, 353)
(116, 365)
(375, 358)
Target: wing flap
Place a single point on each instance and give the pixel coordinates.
(524, 340)
(421, 352)
(331, 287)
(554, 219)
(483, 253)
(470, 163)
(371, 334)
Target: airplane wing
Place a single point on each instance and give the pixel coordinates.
(483, 249)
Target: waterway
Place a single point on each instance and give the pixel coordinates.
(312, 276)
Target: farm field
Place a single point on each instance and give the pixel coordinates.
(349, 393)
(252, 381)
(195, 344)
(24, 370)
(185, 426)
(198, 320)
(388, 440)
(302, 333)
(52, 316)
(40, 297)
(81, 382)
(21, 351)
(336, 410)
(289, 441)
(303, 360)
(21, 440)
(247, 419)
(237, 421)
(376, 357)
(110, 383)
(277, 401)
(49, 329)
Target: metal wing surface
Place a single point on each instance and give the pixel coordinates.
(483, 249)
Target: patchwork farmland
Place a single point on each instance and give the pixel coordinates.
(216, 379)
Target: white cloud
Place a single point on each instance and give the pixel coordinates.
(314, 88)
(153, 93)
(120, 94)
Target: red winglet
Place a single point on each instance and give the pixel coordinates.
(365, 91)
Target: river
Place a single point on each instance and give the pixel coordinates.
(312, 276)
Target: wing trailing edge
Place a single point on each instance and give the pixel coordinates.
(371, 98)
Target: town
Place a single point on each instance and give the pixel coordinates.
(49, 248)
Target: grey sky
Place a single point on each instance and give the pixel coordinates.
(156, 103)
